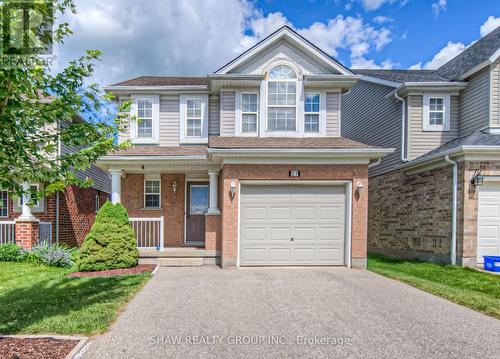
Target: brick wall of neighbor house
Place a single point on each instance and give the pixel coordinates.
(229, 206)
(410, 215)
(172, 204)
(467, 208)
(76, 213)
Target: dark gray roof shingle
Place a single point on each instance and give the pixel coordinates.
(164, 81)
(472, 56)
(403, 75)
(478, 138)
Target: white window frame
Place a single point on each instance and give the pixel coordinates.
(183, 138)
(426, 110)
(322, 114)
(240, 113)
(134, 111)
(7, 192)
(149, 179)
(299, 103)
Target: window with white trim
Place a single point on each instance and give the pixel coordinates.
(194, 118)
(282, 99)
(4, 204)
(97, 203)
(144, 118)
(436, 112)
(249, 112)
(152, 194)
(311, 112)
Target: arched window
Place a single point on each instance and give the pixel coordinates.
(282, 99)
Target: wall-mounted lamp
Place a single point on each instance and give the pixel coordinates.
(360, 188)
(174, 186)
(478, 178)
(232, 189)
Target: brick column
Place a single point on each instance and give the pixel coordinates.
(212, 232)
(27, 233)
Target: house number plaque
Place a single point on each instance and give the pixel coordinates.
(294, 173)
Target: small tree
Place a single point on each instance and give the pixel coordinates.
(111, 242)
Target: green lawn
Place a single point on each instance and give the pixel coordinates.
(39, 299)
(477, 290)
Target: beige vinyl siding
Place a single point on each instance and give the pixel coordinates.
(495, 95)
(124, 135)
(420, 141)
(474, 103)
(214, 115)
(368, 116)
(169, 120)
(227, 113)
(333, 114)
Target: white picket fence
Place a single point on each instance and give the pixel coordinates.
(7, 232)
(148, 232)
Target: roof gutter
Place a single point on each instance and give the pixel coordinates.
(156, 88)
(151, 158)
(373, 153)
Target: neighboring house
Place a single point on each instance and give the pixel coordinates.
(64, 217)
(246, 166)
(445, 126)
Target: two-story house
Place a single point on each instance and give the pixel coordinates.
(246, 165)
(437, 197)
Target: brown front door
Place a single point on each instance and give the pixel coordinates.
(197, 199)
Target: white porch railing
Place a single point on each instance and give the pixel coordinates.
(7, 232)
(45, 233)
(148, 232)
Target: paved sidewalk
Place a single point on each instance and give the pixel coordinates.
(213, 313)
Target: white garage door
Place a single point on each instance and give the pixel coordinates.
(292, 225)
(488, 218)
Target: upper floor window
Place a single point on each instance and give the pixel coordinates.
(193, 118)
(144, 118)
(436, 112)
(145, 128)
(249, 112)
(311, 112)
(282, 99)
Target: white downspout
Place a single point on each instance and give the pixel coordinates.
(403, 126)
(453, 249)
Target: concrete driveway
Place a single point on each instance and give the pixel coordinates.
(207, 312)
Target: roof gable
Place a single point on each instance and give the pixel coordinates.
(286, 34)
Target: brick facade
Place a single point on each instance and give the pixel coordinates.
(172, 204)
(26, 234)
(212, 232)
(76, 213)
(229, 205)
(410, 214)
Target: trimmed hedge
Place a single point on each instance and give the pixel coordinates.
(111, 242)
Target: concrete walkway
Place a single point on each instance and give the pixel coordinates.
(207, 312)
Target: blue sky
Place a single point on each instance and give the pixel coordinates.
(196, 37)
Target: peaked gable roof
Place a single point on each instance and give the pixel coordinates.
(473, 56)
(163, 81)
(291, 35)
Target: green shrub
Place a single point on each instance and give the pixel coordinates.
(57, 255)
(110, 243)
(10, 253)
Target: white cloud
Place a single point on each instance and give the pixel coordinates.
(491, 24)
(439, 6)
(370, 5)
(444, 55)
(417, 66)
(192, 37)
(382, 19)
(362, 63)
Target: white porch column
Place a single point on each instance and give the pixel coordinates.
(213, 207)
(116, 183)
(26, 209)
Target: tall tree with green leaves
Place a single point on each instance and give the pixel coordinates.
(40, 109)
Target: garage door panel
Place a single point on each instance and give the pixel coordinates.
(313, 215)
(488, 227)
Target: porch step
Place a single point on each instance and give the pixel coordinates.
(180, 262)
(176, 252)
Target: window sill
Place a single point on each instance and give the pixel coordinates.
(435, 129)
(151, 209)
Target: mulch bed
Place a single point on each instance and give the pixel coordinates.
(39, 348)
(141, 268)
